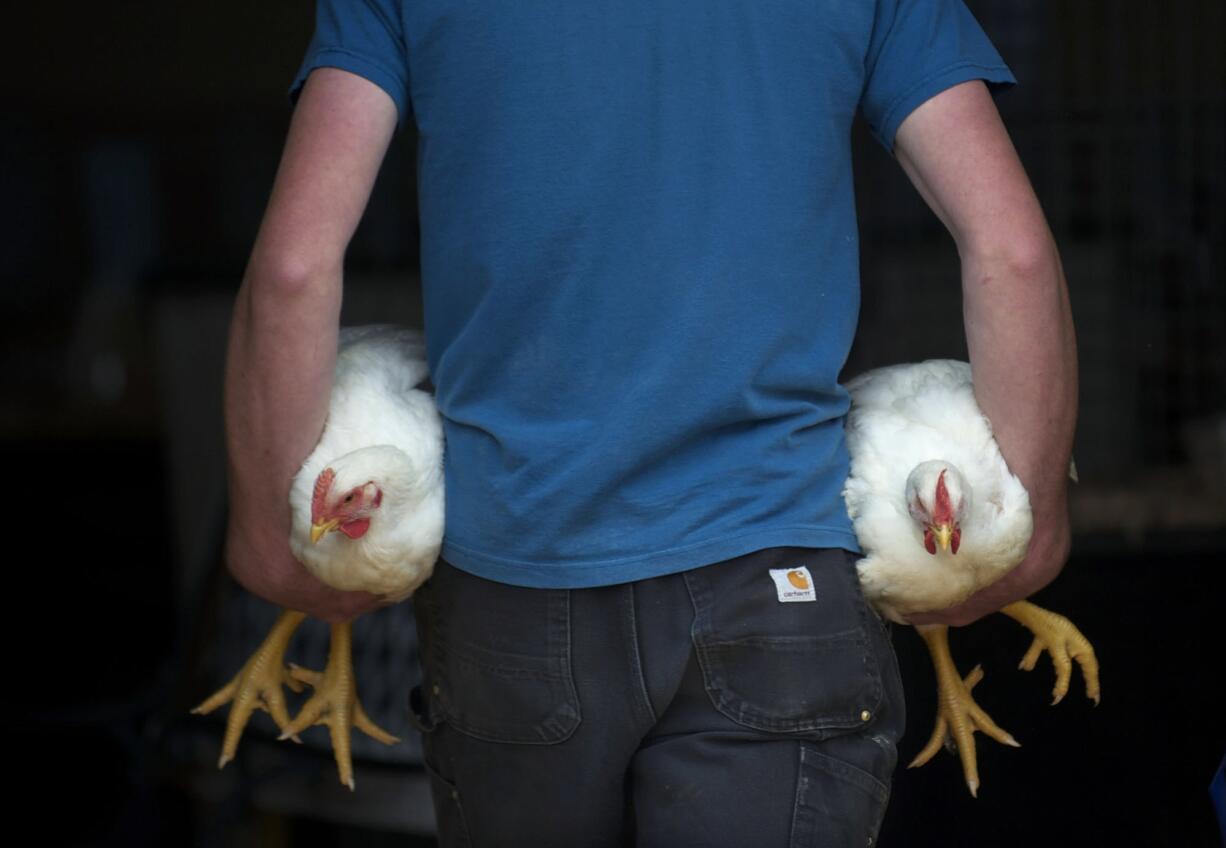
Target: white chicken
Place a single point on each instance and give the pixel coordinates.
(366, 514)
(939, 516)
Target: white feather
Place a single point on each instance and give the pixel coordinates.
(380, 427)
(902, 416)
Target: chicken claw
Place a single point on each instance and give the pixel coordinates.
(257, 686)
(335, 703)
(940, 737)
(958, 716)
(1063, 641)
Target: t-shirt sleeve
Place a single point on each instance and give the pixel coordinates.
(918, 49)
(364, 37)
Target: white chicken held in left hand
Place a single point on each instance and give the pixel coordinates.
(367, 514)
(940, 516)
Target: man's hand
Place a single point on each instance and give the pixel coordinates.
(1019, 328)
(267, 568)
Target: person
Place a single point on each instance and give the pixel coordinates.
(639, 266)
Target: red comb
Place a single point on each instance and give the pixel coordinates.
(943, 511)
(319, 498)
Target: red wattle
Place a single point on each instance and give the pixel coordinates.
(355, 529)
(955, 539)
(930, 542)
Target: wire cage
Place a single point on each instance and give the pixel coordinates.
(1122, 133)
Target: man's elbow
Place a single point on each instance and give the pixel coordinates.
(293, 274)
(1019, 258)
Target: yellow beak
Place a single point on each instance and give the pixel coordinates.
(318, 530)
(943, 533)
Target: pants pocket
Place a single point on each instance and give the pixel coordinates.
(496, 658)
(799, 667)
(837, 803)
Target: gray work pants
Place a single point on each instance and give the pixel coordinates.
(695, 709)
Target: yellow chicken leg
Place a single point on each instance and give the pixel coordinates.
(1056, 634)
(257, 685)
(958, 716)
(335, 702)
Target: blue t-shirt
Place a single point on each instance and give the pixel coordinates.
(639, 259)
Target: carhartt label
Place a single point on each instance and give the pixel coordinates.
(793, 584)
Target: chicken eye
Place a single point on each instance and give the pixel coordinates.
(349, 498)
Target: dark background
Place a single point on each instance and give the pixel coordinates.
(137, 146)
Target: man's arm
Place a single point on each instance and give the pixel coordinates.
(1019, 328)
(283, 338)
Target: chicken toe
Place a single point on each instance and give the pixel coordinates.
(335, 703)
(958, 716)
(1063, 641)
(257, 686)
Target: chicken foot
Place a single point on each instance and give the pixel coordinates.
(958, 716)
(1063, 641)
(335, 702)
(257, 686)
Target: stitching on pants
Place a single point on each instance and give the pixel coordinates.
(636, 656)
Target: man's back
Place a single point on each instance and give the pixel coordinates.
(639, 258)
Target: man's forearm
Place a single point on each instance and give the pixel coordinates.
(1024, 364)
(279, 369)
(1023, 356)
